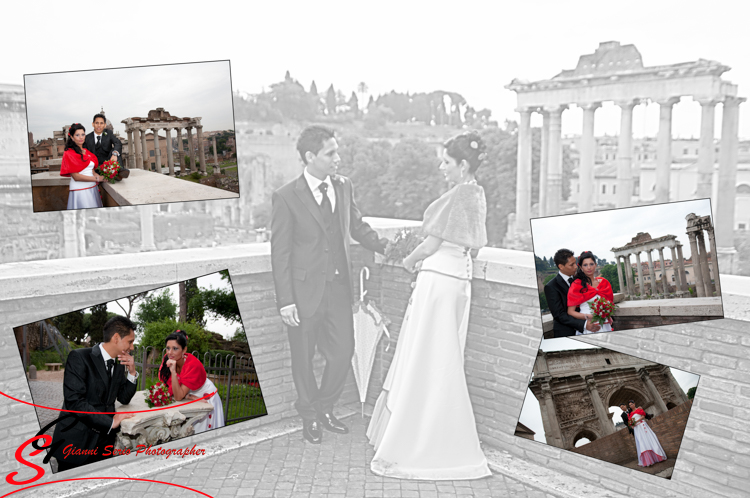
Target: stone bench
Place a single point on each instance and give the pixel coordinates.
(53, 366)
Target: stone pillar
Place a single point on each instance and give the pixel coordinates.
(543, 164)
(546, 424)
(216, 158)
(727, 257)
(664, 149)
(191, 148)
(623, 288)
(554, 437)
(147, 227)
(683, 277)
(658, 402)
(705, 271)
(706, 148)
(170, 155)
(586, 167)
(202, 151)
(554, 161)
(652, 271)
(663, 266)
(625, 154)
(676, 272)
(157, 150)
(180, 151)
(71, 247)
(131, 154)
(601, 412)
(523, 172)
(629, 276)
(712, 241)
(54, 147)
(144, 148)
(138, 148)
(697, 274)
(642, 286)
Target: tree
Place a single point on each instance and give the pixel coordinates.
(691, 392)
(71, 326)
(354, 104)
(543, 302)
(199, 340)
(99, 317)
(610, 273)
(498, 177)
(548, 278)
(156, 307)
(314, 89)
(331, 101)
(131, 301)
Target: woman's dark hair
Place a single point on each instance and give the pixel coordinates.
(70, 144)
(467, 146)
(579, 272)
(182, 340)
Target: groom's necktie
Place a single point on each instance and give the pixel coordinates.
(325, 206)
(570, 280)
(98, 141)
(110, 366)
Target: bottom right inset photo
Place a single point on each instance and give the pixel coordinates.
(607, 405)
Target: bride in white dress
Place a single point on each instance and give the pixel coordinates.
(78, 164)
(587, 288)
(646, 443)
(423, 425)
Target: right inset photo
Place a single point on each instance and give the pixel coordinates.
(627, 268)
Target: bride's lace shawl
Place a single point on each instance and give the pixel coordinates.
(458, 216)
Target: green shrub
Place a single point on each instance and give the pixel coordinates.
(195, 175)
(156, 332)
(39, 358)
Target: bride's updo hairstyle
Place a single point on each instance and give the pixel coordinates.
(69, 143)
(579, 272)
(182, 340)
(467, 146)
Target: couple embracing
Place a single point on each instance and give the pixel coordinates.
(423, 425)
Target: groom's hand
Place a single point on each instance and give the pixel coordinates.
(119, 417)
(289, 315)
(592, 327)
(128, 361)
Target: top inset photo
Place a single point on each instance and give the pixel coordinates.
(627, 268)
(131, 136)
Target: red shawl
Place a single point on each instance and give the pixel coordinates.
(639, 411)
(72, 162)
(192, 375)
(576, 298)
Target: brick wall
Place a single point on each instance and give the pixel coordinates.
(620, 447)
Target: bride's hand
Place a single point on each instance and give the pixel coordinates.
(589, 317)
(411, 266)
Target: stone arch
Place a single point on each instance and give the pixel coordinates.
(626, 393)
(585, 432)
(670, 405)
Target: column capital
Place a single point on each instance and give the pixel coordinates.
(733, 101)
(589, 106)
(555, 109)
(668, 102)
(525, 110)
(708, 101)
(628, 104)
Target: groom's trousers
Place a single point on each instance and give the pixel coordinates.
(331, 330)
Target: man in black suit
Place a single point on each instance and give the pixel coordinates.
(312, 219)
(556, 292)
(92, 383)
(105, 145)
(625, 418)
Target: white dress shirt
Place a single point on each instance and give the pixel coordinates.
(566, 277)
(106, 357)
(314, 185)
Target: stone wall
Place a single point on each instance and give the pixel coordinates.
(620, 447)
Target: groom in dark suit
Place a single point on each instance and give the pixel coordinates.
(556, 292)
(92, 383)
(105, 145)
(312, 219)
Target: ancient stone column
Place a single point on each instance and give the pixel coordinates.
(131, 155)
(54, 148)
(170, 154)
(712, 241)
(619, 275)
(642, 286)
(658, 402)
(202, 151)
(586, 167)
(664, 149)
(554, 437)
(663, 272)
(676, 272)
(157, 150)
(727, 257)
(629, 276)
(191, 148)
(216, 159)
(138, 148)
(71, 247)
(545, 418)
(601, 412)
(554, 161)
(543, 164)
(706, 148)
(683, 276)
(180, 151)
(697, 274)
(652, 271)
(523, 172)
(705, 270)
(144, 148)
(625, 154)
(147, 227)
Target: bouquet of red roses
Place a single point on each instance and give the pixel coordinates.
(602, 309)
(158, 395)
(109, 169)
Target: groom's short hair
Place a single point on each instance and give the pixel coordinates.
(562, 256)
(311, 140)
(119, 325)
(99, 115)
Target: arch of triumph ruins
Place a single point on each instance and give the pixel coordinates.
(616, 73)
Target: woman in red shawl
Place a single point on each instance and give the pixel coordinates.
(646, 443)
(186, 378)
(585, 289)
(78, 164)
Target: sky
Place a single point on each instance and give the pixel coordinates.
(530, 414)
(600, 231)
(474, 48)
(185, 90)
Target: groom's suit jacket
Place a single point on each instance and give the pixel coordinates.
(556, 292)
(299, 245)
(109, 143)
(86, 388)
